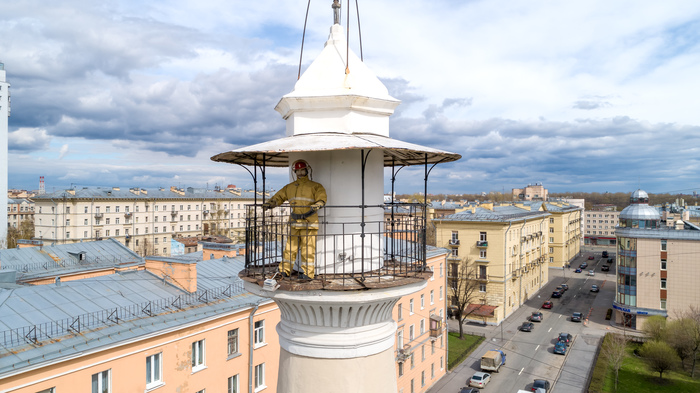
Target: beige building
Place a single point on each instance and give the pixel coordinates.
(143, 220)
(600, 225)
(657, 265)
(19, 210)
(533, 192)
(564, 232)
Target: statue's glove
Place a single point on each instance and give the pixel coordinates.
(317, 206)
(267, 206)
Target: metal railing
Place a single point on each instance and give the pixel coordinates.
(350, 241)
(68, 263)
(34, 334)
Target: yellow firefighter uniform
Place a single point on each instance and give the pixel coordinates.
(306, 197)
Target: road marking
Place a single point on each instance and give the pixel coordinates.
(538, 347)
(550, 329)
(521, 370)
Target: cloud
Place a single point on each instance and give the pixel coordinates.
(63, 152)
(28, 139)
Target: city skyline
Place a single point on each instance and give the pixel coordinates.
(567, 95)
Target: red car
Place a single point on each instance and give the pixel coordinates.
(591, 257)
(547, 304)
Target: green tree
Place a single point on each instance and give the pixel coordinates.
(680, 336)
(655, 327)
(659, 356)
(614, 352)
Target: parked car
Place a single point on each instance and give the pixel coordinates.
(611, 260)
(605, 268)
(560, 289)
(468, 390)
(576, 317)
(577, 271)
(541, 384)
(565, 286)
(605, 254)
(479, 379)
(591, 272)
(536, 316)
(583, 265)
(565, 338)
(594, 288)
(556, 294)
(591, 257)
(526, 327)
(560, 348)
(547, 304)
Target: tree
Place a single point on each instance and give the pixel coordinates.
(464, 287)
(614, 346)
(24, 231)
(686, 335)
(654, 327)
(659, 356)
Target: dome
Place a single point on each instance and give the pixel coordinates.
(639, 196)
(640, 212)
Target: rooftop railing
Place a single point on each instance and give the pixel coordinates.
(350, 247)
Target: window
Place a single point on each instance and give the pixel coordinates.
(67, 235)
(410, 307)
(482, 236)
(233, 384)
(101, 382)
(67, 209)
(441, 270)
(551, 240)
(422, 330)
(198, 355)
(232, 342)
(432, 370)
(107, 232)
(551, 229)
(482, 253)
(85, 234)
(422, 378)
(410, 333)
(663, 283)
(663, 304)
(260, 377)
(107, 221)
(85, 222)
(551, 220)
(259, 333)
(432, 297)
(68, 222)
(455, 252)
(401, 369)
(440, 292)
(399, 339)
(663, 264)
(116, 220)
(422, 301)
(551, 259)
(663, 245)
(482, 287)
(153, 370)
(400, 312)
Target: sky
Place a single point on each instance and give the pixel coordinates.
(588, 96)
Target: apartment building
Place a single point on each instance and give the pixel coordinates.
(144, 220)
(657, 264)
(508, 248)
(600, 225)
(564, 232)
(19, 210)
(532, 192)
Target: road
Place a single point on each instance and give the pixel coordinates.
(530, 354)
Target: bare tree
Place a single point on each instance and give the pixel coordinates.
(659, 356)
(684, 335)
(654, 327)
(614, 351)
(464, 287)
(24, 231)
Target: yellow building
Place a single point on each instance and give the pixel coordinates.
(564, 232)
(506, 246)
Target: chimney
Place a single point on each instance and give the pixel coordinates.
(680, 225)
(182, 274)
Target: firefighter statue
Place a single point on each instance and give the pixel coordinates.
(306, 197)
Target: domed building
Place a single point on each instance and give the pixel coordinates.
(656, 264)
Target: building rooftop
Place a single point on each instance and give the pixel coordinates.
(145, 194)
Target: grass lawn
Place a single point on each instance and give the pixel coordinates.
(460, 349)
(636, 377)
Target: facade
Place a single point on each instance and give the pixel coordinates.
(19, 210)
(657, 264)
(533, 192)
(600, 225)
(4, 115)
(143, 220)
(507, 246)
(564, 232)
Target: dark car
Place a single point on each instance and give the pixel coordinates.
(560, 348)
(527, 327)
(547, 304)
(565, 286)
(583, 265)
(468, 390)
(611, 260)
(536, 316)
(565, 338)
(576, 317)
(577, 271)
(556, 294)
(591, 257)
(594, 288)
(605, 254)
(540, 384)
(605, 268)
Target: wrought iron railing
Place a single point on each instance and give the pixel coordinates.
(360, 242)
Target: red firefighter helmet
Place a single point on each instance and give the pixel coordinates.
(300, 164)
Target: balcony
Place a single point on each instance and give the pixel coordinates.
(454, 242)
(482, 277)
(403, 354)
(173, 213)
(127, 214)
(99, 215)
(355, 249)
(482, 243)
(453, 257)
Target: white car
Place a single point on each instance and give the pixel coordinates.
(591, 272)
(479, 380)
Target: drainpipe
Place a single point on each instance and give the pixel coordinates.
(505, 279)
(250, 356)
(520, 266)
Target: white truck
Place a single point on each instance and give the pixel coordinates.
(493, 360)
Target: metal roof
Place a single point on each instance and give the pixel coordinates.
(498, 214)
(276, 152)
(149, 194)
(640, 212)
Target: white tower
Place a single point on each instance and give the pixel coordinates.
(336, 331)
(4, 114)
